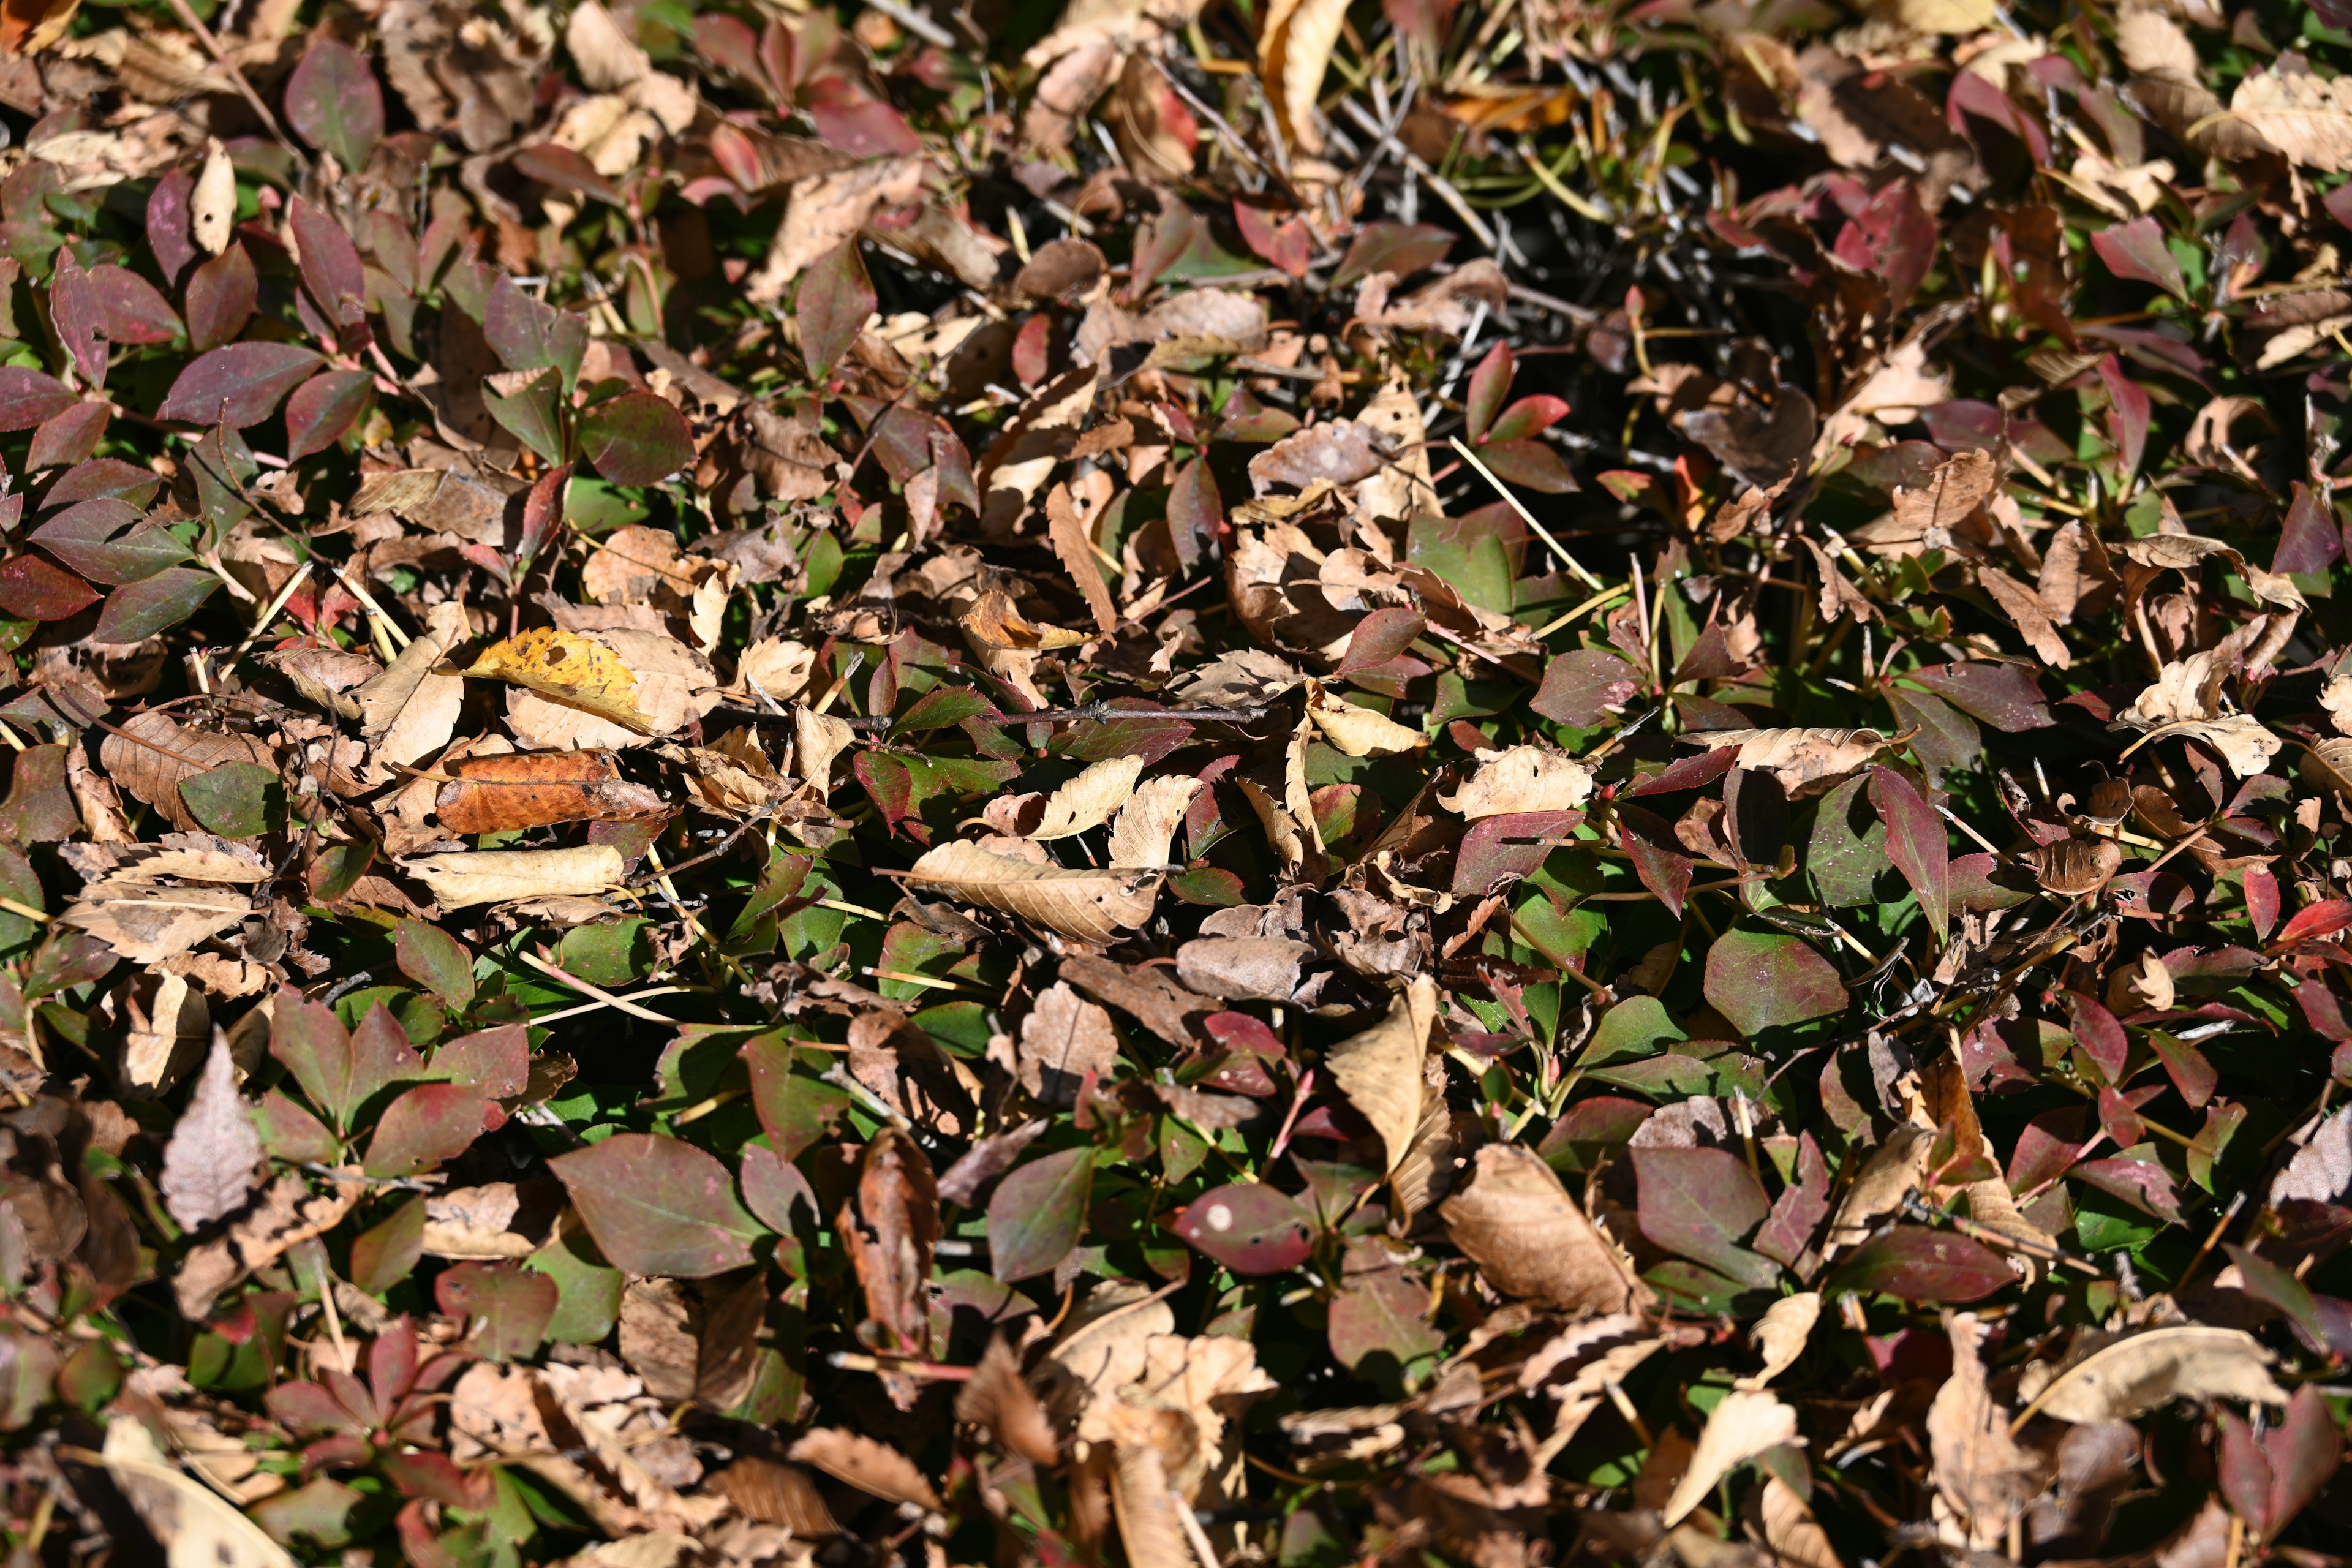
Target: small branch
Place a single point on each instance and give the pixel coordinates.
(1091, 713)
(205, 35)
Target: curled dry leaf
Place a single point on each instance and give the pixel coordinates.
(1354, 731)
(1521, 779)
(1743, 1425)
(1780, 1335)
(1379, 1070)
(148, 923)
(2135, 1375)
(497, 876)
(151, 755)
(1145, 827)
(857, 1460)
(1293, 52)
(531, 789)
(1527, 1237)
(1092, 906)
(1806, 762)
(573, 668)
(1089, 800)
(196, 1526)
(997, 1397)
(2073, 866)
(1983, 1478)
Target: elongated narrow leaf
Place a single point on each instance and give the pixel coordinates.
(1916, 843)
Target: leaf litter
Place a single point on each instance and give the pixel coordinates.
(1174, 783)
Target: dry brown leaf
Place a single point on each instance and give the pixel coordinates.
(2031, 617)
(2321, 1168)
(996, 1396)
(1982, 1477)
(818, 740)
(213, 1161)
(496, 1220)
(826, 209)
(531, 789)
(1379, 1070)
(857, 1460)
(575, 669)
(2137, 1373)
(286, 1215)
(149, 754)
(2306, 116)
(1294, 50)
(2153, 44)
(1782, 1334)
(1089, 800)
(1527, 1235)
(1064, 1038)
(771, 1493)
(1890, 1173)
(1148, 1529)
(147, 923)
(1521, 778)
(778, 667)
(1074, 545)
(496, 876)
(657, 1336)
(197, 1527)
(992, 622)
(1805, 761)
(1791, 1531)
(1938, 16)
(1958, 486)
(407, 710)
(1145, 827)
(1743, 1425)
(1092, 906)
(212, 207)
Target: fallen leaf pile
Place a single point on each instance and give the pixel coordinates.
(1137, 783)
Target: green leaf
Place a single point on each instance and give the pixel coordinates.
(232, 800)
(1038, 1213)
(435, 960)
(137, 611)
(1766, 980)
(636, 439)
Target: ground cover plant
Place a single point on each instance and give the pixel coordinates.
(1507, 782)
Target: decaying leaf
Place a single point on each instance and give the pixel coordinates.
(1527, 1235)
(1379, 1070)
(497, 876)
(213, 1159)
(1742, 1426)
(1782, 1334)
(196, 1526)
(1521, 779)
(572, 668)
(2139, 1372)
(1092, 906)
(1983, 1478)
(1804, 761)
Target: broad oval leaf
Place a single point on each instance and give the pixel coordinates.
(90, 537)
(33, 589)
(333, 102)
(137, 611)
(1489, 384)
(232, 800)
(240, 384)
(636, 438)
(322, 408)
(28, 397)
(1918, 1264)
(836, 296)
(1765, 980)
(1699, 1203)
(1037, 1214)
(657, 1206)
(1249, 1227)
(425, 1127)
(221, 295)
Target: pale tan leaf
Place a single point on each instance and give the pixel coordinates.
(817, 740)
(498, 1220)
(1800, 759)
(166, 1033)
(2321, 1169)
(1064, 1038)
(213, 1159)
(1379, 1070)
(1088, 801)
(1938, 16)
(1145, 827)
(212, 207)
(1092, 906)
(1781, 1334)
(2240, 737)
(1982, 1477)
(1358, 731)
(825, 210)
(1293, 52)
(2184, 689)
(1069, 532)
(148, 923)
(2134, 1375)
(197, 1527)
(2024, 607)
(1743, 1425)
(1521, 778)
(996, 1396)
(778, 666)
(2152, 44)
(607, 59)
(857, 1460)
(150, 754)
(2305, 116)
(1791, 1531)
(1149, 1528)
(1527, 1235)
(1889, 1174)
(496, 876)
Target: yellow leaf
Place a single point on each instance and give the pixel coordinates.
(569, 666)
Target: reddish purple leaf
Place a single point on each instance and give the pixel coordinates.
(2128, 412)
(1489, 384)
(1379, 638)
(505, 1307)
(69, 437)
(130, 309)
(2309, 541)
(1529, 416)
(1287, 245)
(1249, 1227)
(2262, 901)
(1666, 872)
(74, 312)
(426, 1126)
(221, 295)
(322, 408)
(657, 1206)
(836, 296)
(2135, 250)
(1917, 1264)
(1196, 513)
(1698, 1202)
(1498, 850)
(1531, 465)
(333, 102)
(1800, 1208)
(1580, 689)
(2101, 1037)
(636, 439)
(1916, 841)
(566, 169)
(240, 384)
(331, 264)
(167, 222)
(137, 611)
(2143, 1184)
(2314, 921)
(32, 589)
(2190, 1073)
(1038, 1214)
(1398, 247)
(2005, 696)
(28, 398)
